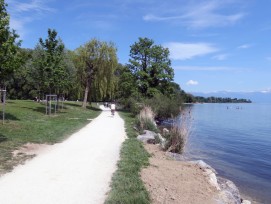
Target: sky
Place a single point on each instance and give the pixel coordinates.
(215, 45)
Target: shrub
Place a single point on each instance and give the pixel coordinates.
(145, 119)
(131, 104)
(179, 132)
(164, 107)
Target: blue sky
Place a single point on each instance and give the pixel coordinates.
(215, 45)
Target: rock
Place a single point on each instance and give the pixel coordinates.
(201, 164)
(176, 156)
(212, 179)
(246, 202)
(225, 197)
(148, 135)
(229, 192)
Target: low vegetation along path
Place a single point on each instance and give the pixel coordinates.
(78, 170)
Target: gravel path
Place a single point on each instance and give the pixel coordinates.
(76, 171)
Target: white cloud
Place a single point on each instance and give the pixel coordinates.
(244, 46)
(23, 13)
(184, 51)
(31, 6)
(199, 14)
(192, 83)
(221, 57)
(266, 90)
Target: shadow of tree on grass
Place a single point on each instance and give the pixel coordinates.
(2, 138)
(8, 116)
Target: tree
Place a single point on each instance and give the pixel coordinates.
(19, 84)
(52, 74)
(126, 82)
(96, 62)
(151, 66)
(105, 83)
(8, 46)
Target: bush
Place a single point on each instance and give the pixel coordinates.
(164, 107)
(131, 104)
(179, 132)
(145, 119)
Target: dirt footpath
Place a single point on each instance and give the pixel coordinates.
(77, 170)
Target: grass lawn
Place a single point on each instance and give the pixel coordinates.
(127, 186)
(26, 122)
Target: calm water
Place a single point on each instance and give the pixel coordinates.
(236, 140)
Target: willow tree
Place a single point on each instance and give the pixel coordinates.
(104, 86)
(8, 45)
(95, 62)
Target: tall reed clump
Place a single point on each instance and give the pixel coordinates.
(145, 119)
(179, 132)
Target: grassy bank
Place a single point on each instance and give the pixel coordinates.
(26, 122)
(127, 187)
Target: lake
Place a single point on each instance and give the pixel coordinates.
(235, 139)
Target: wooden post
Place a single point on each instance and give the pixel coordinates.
(3, 101)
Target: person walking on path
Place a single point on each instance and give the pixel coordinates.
(113, 108)
(78, 170)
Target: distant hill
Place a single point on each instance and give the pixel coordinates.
(255, 97)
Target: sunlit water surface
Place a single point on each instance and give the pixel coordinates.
(236, 140)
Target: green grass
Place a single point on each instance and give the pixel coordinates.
(127, 186)
(26, 122)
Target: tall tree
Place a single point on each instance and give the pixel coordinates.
(49, 62)
(151, 65)
(105, 83)
(8, 46)
(95, 62)
(19, 84)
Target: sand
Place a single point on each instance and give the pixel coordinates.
(175, 182)
(78, 170)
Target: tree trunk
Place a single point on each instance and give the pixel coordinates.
(84, 105)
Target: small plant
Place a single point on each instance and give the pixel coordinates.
(177, 137)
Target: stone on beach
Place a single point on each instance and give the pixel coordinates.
(147, 136)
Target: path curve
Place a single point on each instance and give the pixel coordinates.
(78, 170)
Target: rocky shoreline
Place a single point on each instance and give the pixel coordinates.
(226, 191)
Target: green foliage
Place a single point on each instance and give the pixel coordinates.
(151, 66)
(126, 186)
(8, 46)
(212, 99)
(164, 107)
(132, 104)
(51, 74)
(96, 62)
(105, 82)
(126, 82)
(26, 122)
(19, 84)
